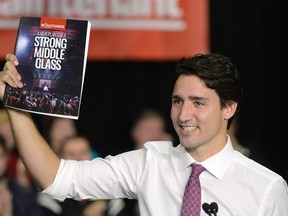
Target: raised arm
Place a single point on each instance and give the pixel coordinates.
(38, 157)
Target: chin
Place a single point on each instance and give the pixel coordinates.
(188, 142)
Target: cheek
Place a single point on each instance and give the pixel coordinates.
(207, 117)
(211, 119)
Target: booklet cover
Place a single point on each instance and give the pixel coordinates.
(52, 54)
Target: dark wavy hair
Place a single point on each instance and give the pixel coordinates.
(218, 73)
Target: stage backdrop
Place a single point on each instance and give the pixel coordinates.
(121, 29)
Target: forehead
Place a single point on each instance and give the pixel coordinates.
(189, 82)
(192, 86)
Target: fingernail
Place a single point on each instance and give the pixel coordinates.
(16, 62)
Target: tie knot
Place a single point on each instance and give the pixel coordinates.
(197, 169)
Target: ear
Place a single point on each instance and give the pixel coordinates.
(230, 109)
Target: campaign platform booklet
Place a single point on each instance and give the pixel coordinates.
(52, 54)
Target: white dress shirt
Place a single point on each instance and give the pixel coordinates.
(157, 174)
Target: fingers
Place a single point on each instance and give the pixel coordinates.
(12, 58)
(10, 74)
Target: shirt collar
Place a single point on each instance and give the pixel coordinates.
(216, 164)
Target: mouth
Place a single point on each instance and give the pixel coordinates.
(189, 128)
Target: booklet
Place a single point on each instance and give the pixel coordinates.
(52, 54)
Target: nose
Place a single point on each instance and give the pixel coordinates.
(186, 112)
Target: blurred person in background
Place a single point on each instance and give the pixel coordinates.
(233, 130)
(148, 125)
(55, 130)
(22, 176)
(7, 134)
(79, 148)
(243, 148)
(16, 168)
(15, 199)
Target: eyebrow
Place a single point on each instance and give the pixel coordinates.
(192, 98)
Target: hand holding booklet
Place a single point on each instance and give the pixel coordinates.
(52, 54)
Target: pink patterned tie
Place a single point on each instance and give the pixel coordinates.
(192, 196)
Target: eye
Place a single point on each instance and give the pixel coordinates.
(177, 102)
(199, 103)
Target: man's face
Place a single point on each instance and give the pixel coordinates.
(149, 129)
(197, 115)
(77, 149)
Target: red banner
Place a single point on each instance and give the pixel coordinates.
(121, 29)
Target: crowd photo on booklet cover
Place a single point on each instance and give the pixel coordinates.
(200, 171)
(47, 102)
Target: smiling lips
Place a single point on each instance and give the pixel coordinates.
(189, 128)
